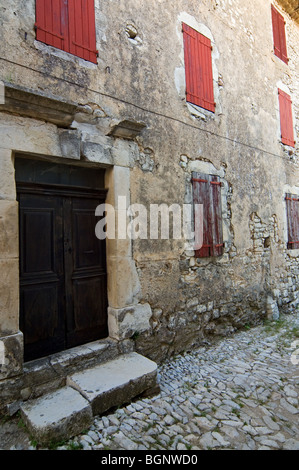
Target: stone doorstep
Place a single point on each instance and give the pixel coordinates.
(66, 412)
(47, 374)
(115, 382)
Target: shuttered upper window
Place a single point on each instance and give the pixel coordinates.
(198, 69)
(286, 119)
(279, 36)
(292, 202)
(207, 191)
(68, 25)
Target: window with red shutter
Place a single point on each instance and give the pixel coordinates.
(68, 25)
(286, 119)
(198, 69)
(292, 203)
(207, 191)
(279, 36)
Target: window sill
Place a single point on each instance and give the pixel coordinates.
(64, 55)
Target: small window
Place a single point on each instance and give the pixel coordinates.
(279, 36)
(286, 119)
(68, 25)
(198, 69)
(292, 202)
(207, 191)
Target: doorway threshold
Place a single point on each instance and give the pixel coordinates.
(50, 373)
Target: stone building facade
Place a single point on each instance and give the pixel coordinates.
(123, 112)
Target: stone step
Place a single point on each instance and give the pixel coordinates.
(56, 416)
(66, 412)
(115, 382)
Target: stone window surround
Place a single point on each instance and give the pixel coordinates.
(207, 167)
(292, 190)
(180, 79)
(280, 85)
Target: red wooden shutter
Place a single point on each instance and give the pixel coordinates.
(292, 202)
(286, 119)
(52, 22)
(68, 25)
(198, 69)
(82, 29)
(279, 36)
(207, 191)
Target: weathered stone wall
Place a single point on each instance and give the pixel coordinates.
(158, 291)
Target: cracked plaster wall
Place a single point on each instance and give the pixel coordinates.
(139, 76)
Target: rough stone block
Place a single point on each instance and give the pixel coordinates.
(57, 416)
(96, 152)
(124, 322)
(7, 181)
(115, 382)
(9, 229)
(123, 282)
(70, 143)
(11, 355)
(9, 296)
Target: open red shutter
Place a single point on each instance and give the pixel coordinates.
(292, 202)
(207, 191)
(201, 196)
(286, 119)
(198, 69)
(279, 36)
(217, 247)
(51, 23)
(283, 41)
(276, 37)
(82, 29)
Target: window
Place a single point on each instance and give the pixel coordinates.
(292, 202)
(198, 69)
(207, 191)
(286, 119)
(68, 25)
(279, 37)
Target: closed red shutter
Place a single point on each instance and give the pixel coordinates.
(279, 37)
(82, 29)
(51, 22)
(68, 25)
(292, 202)
(198, 69)
(286, 119)
(207, 191)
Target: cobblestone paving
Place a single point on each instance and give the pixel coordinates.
(238, 393)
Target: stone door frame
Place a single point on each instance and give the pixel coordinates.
(28, 136)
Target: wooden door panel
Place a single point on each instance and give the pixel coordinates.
(41, 321)
(90, 307)
(41, 275)
(86, 285)
(89, 251)
(39, 259)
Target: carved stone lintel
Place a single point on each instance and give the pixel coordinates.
(25, 102)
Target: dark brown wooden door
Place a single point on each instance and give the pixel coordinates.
(41, 274)
(85, 273)
(63, 292)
